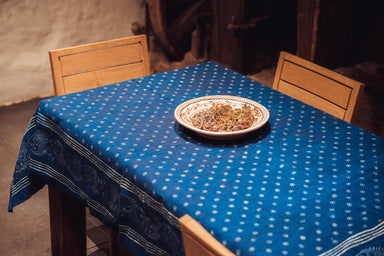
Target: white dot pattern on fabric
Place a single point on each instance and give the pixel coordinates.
(299, 186)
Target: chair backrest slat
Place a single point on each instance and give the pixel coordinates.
(91, 65)
(317, 86)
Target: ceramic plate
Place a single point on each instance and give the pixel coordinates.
(186, 110)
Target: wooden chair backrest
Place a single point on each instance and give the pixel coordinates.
(317, 86)
(91, 65)
(198, 241)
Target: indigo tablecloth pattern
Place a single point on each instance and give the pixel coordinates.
(304, 184)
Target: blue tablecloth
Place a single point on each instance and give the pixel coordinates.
(306, 183)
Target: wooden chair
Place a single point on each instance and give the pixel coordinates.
(84, 67)
(91, 65)
(317, 86)
(198, 241)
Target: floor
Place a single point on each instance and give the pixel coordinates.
(26, 230)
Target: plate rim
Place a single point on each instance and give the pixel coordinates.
(260, 123)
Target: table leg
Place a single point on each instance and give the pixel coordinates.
(68, 226)
(113, 242)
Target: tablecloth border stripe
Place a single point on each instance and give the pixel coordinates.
(356, 240)
(31, 124)
(20, 185)
(49, 171)
(138, 239)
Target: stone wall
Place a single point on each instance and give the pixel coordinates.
(30, 28)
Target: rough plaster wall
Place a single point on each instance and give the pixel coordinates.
(30, 28)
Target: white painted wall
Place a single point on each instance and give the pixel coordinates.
(30, 28)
